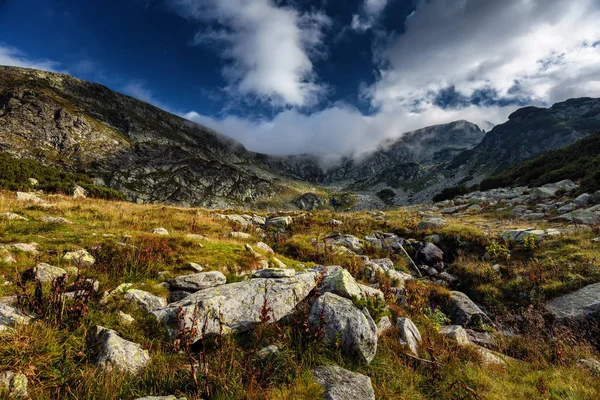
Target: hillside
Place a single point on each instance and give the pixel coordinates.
(114, 300)
(148, 154)
(579, 161)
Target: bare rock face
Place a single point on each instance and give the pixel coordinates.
(236, 307)
(355, 328)
(341, 384)
(579, 305)
(109, 350)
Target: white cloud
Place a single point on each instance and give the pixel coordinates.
(368, 14)
(537, 50)
(13, 57)
(269, 48)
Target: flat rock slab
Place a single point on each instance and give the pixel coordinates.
(274, 273)
(199, 281)
(145, 300)
(109, 350)
(237, 305)
(581, 304)
(341, 384)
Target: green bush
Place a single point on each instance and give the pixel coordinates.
(15, 174)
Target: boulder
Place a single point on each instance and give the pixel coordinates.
(409, 334)
(279, 222)
(274, 273)
(239, 235)
(310, 202)
(238, 219)
(567, 208)
(566, 185)
(160, 231)
(195, 266)
(109, 350)
(456, 333)
(464, 312)
(342, 283)
(431, 224)
(583, 200)
(341, 384)
(582, 217)
(238, 305)
(519, 235)
(581, 304)
(79, 192)
(430, 255)
(542, 193)
(47, 273)
(265, 247)
(595, 197)
(348, 241)
(145, 300)
(353, 329)
(199, 281)
(14, 383)
(80, 257)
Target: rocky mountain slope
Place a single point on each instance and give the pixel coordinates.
(145, 152)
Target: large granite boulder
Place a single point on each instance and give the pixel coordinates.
(341, 384)
(579, 305)
(354, 328)
(109, 350)
(237, 305)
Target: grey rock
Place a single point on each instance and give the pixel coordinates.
(566, 185)
(199, 281)
(431, 224)
(29, 197)
(342, 283)
(195, 266)
(15, 383)
(274, 273)
(279, 222)
(595, 197)
(310, 202)
(543, 193)
(335, 222)
(341, 384)
(409, 334)
(567, 208)
(55, 220)
(463, 311)
(267, 352)
(519, 235)
(125, 318)
(145, 300)
(238, 305)
(582, 217)
(160, 231)
(590, 364)
(80, 257)
(384, 325)
(79, 192)
(109, 350)
(430, 255)
(11, 316)
(350, 242)
(239, 235)
(583, 200)
(12, 216)
(265, 247)
(489, 357)
(47, 273)
(581, 304)
(354, 328)
(456, 333)
(533, 216)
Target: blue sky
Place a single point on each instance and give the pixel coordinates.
(327, 76)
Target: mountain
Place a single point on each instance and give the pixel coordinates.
(579, 161)
(148, 154)
(412, 152)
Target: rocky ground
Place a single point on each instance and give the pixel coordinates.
(492, 295)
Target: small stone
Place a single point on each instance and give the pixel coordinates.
(125, 318)
(267, 352)
(456, 333)
(265, 247)
(7, 257)
(199, 281)
(30, 248)
(79, 192)
(15, 383)
(195, 266)
(160, 231)
(10, 316)
(335, 222)
(384, 325)
(80, 257)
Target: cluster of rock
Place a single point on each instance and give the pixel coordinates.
(554, 200)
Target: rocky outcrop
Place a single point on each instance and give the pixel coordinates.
(341, 384)
(354, 328)
(236, 307)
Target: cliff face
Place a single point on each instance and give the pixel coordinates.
(129, 145)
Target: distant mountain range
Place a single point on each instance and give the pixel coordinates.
(153, 156)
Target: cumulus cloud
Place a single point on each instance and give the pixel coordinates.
(13, 57)
(269, 48)
(534, 51)
(368, 14)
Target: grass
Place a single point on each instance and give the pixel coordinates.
(56, 362)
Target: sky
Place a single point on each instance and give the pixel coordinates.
(331, 77)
